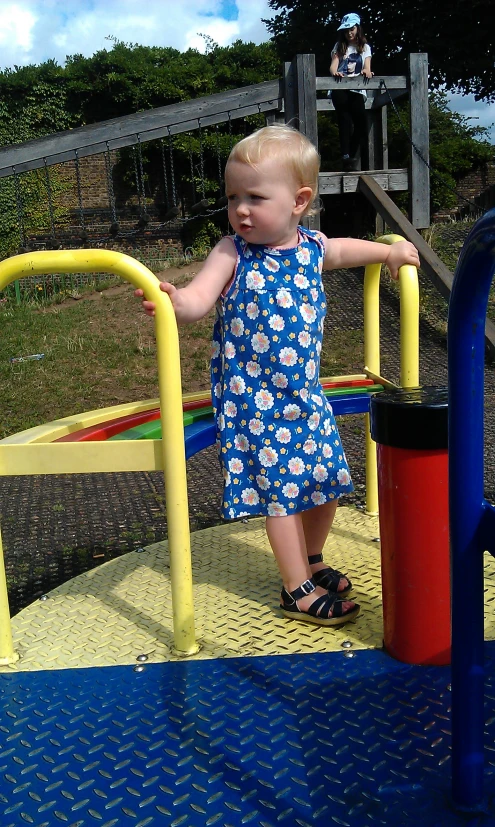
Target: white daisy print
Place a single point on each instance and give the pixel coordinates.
(283, 435)
(221, 422)
(260, 342)
(230, 408)
(255, 280)
(296, 466)
(252, 310)
(318, 498)
(253, 369)
(320, 473)
(327, 451)
(292, 412)
(290, 490)
(313, 421)
(288, 356)
(217, 390)
(256, 426)
(236, 465)
(263, 400)
(309, 446)
(310, 369)
(215, 349)
(229, 350)
(301, 281)
(284, 298)
(276, 322)
(237, 327)
(241, 443)
(268, 457)
(343, 476)
(237, 385)
(302, 255)
(250, 497)
(271, 265)
(307, 312)
(314, 294)
(304, 338)
(277, 510)
(263, 482)
(280, 380)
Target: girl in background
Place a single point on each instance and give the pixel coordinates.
(351, 56)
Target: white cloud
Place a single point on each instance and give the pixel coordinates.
(32, 31)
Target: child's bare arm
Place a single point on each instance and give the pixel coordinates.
(196, 300)
(356, 252)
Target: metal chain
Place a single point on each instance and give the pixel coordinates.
(136, 176)
(172, 174)
(201, 159)
(420, 155)
(79, 192)
(141, 172)
(165, 178)
(20, 211)
(110, 189)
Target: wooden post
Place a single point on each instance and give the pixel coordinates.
(300, 106)
(420, 150)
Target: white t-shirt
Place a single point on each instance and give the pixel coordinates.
(352, 63)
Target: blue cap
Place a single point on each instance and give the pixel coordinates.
(349, 21)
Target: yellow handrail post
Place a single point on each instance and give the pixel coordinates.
(409, 347)
(172, 443)
(7, 653)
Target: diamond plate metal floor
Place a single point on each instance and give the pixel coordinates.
(272, 723)
(121, 610)
(270, 741)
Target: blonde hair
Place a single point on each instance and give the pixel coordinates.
(288, 145)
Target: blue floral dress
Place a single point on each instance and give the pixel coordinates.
(279, 446)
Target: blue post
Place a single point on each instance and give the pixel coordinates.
(469, 511)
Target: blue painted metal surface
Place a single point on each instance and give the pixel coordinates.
(472, 522)
(269, 741)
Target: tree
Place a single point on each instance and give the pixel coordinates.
(459, 40)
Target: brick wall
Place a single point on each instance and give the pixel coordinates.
(477, 186)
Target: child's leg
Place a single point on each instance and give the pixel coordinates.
(317, 523)
(286, 536)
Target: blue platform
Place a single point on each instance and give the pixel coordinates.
(269, 741)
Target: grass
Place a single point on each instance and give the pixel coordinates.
(100, 350)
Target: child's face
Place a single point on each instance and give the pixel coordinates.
(264, 203)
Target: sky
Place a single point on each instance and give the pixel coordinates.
(32, 31)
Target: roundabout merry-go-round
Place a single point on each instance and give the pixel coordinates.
(164, 687)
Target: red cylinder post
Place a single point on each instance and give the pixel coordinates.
(414, 532)
(410, 428)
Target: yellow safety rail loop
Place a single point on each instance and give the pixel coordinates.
(409, 346)
(173, 448)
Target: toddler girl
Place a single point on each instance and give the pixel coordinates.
(280, 450)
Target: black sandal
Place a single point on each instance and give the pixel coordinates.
(328, 578)
(319, 610)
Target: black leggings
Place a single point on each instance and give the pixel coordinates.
(351, 118)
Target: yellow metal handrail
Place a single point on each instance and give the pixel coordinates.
(409, 346)
(170, 394)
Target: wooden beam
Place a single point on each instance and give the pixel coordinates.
(360, 82)
(335, 183)
(436, 270)
(420, 138)
(141, 126)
